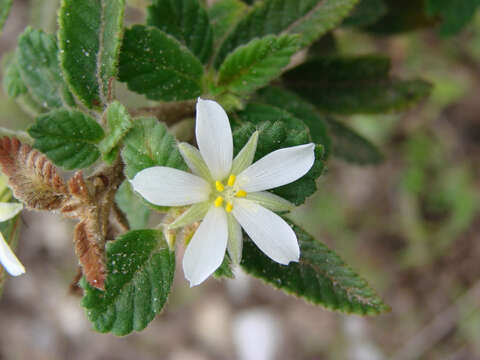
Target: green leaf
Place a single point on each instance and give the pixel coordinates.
(150, 144)
(225, 270)
(157, 65)
(308, 18)
(366, 13)
(135, 210)
(278, 129)
(119, 123)
(37, 55)
(300, 109)
(455, 14)
(224, 15)
(5, 6)
(68, 138)
(140, 271)
(10, 230)
(402, 16)
(320, 277)
(12, 81)
(359, 84)
(185, 20)
(90, 38)
(351, 146)
(255, 64)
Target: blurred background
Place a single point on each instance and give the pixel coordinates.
(411, 226)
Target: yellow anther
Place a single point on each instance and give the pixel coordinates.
(229, 207)
(241, 193)
(231, 180)
(219, 186)
(219, 201)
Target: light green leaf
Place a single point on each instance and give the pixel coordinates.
(135, 210)
(12, 81)
(157, 65)
(366, 13)
(37, 55)
(319, 277)
(224, 15)
(90, 38)
(140, 271)
(351, 146)
(119, 123)
(308, 18)
(255, 64)
(68, 138)
(301, 109)
(278, 129)
(149, 144)
(358, 84)
(185, 20)
(5, 6)
(10, 230)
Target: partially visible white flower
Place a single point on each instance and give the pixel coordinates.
(7, 258)
(228, 194)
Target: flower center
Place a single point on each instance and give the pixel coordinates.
(225, 194)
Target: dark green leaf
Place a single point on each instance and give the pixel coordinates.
(5, 6)
(320, 277)
(349, 85)
(37, 56)
(140, 271)
(255, 64)
(135, 210)
(149, 144)
(68, 138)
(157, 65)
(300, 109)
(402, 16)
(351, 146)
(89, 39)
(187, 21)
(308, 18)
(455, 14)
(224, 15)
(278, 129)
(119, 123)
(366, 13)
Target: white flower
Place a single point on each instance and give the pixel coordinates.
(7, 258)
(227, 194)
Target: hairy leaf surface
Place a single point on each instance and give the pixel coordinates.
(140, 270)
(319, 277)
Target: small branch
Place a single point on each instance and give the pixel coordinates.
(120, 219)
(170, 113)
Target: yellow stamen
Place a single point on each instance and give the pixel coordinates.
(231, 180)
(241, 193)
(219, 201)
(229, 207)
(219, 186)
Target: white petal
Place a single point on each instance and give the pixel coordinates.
(268, 231)
(9, 210)
(235, 240)
(166, 186)
(214, 138)
(277, 168)
(206, 250)
(8, 259)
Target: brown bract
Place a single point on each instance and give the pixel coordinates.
(35, 181)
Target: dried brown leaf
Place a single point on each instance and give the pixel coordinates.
(80, 201)
(90, 254)
(32, 177)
